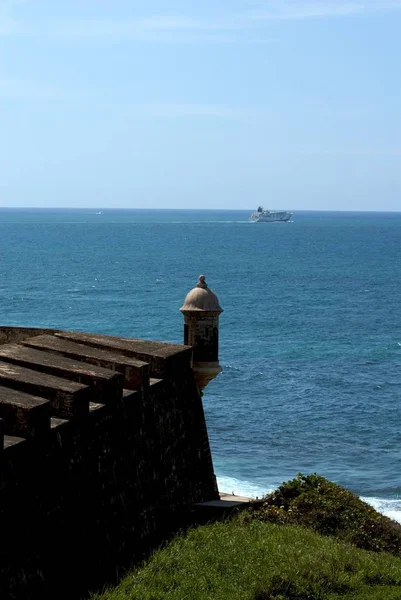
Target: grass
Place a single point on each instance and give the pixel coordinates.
(245, 559)
(309, 540)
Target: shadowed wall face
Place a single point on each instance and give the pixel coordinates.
(202, 332)
(105, 445)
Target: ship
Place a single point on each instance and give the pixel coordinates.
(270, 216)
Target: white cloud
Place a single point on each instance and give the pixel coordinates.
(284, 10)
(187, 110)
(30, 90)
(388, 152)
(166, 110)
(154, 28)
(227, 28)
(9, 26)
(18, 89)
(181, 28)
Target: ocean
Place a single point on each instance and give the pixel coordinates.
(310, 336)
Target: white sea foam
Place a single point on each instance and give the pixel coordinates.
(240, 487)
(389, 508)
(229, 485)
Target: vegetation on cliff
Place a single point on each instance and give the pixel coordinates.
(329, 509)
(276, 551)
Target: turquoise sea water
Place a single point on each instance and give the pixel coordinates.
(310, 337)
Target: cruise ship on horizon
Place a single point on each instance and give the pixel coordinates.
(269, 216)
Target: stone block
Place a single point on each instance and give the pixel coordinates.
(24, 415)
(67, 398)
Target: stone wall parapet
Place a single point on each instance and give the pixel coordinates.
(103, 442)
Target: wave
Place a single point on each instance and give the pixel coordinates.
(249, 489)
(388, 508)
(231, 485)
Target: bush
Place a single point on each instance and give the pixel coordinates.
(329, 509)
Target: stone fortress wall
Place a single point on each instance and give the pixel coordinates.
(103, 445)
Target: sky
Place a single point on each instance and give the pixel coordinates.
(292, 104)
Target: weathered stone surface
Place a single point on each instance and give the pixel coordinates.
(56, 422)
(24, 415)
(10, 441)
(164, 359)
(106, 384)
(135, 372)
(67, 398)
(129, 394)
(10, 334)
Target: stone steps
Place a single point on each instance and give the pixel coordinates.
(224, 507)
(135, 372)
(68, 399)
(164, 359)
(52, 380)
(48, 382)
(105, 382)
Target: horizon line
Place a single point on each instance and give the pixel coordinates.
(121, 208)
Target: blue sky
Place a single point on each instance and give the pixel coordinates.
(212, 104)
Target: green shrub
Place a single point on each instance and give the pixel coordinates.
(329, 509)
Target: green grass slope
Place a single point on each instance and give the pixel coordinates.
(250, 560)
(309, 540)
